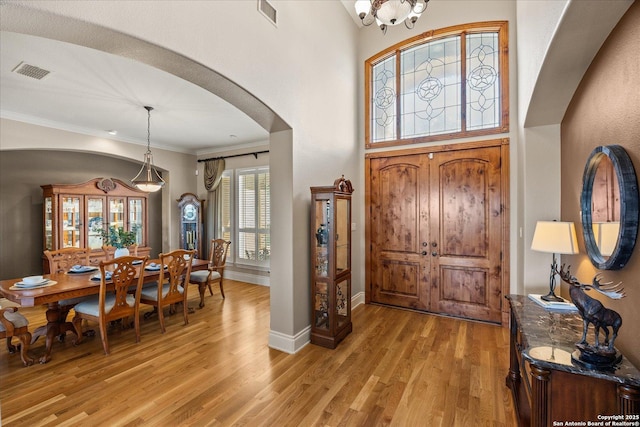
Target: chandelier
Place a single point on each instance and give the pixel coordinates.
(148, 179)
(390, 12)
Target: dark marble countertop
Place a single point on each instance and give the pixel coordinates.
(549, 338)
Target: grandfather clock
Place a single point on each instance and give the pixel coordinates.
(191, 222)
(331, 263)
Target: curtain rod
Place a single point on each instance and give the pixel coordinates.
(234, 155)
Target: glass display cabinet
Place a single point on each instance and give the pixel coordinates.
(331, 263)
(75, 214)
(191, 222)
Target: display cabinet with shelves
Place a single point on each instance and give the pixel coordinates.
(331, 263)
(75, 214)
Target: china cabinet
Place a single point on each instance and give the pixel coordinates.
(331, 263)
(191, 214)
(75, 214)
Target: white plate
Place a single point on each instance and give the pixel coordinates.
(82, 269)
(23, 285)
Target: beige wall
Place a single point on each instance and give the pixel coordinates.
(604, 111)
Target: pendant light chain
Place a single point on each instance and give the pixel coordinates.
(149, 129)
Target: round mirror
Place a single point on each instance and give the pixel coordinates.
(609, 205)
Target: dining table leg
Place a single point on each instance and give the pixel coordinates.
(56, 325)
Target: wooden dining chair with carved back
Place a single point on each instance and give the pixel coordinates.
(126, 273)
(215, 273)
(61, 261)
(109, 251)
(171, 288)
(14, 324)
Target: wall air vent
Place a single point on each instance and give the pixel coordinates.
(268, 11)
(31, 71)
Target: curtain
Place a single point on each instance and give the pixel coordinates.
(212, 173)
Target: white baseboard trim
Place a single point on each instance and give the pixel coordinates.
(247, 277)
(293, 344)
(290, 344)
(357, 299)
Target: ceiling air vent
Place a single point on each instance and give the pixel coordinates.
(31, 71)
(268, 11)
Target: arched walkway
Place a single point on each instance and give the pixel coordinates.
(21, 19)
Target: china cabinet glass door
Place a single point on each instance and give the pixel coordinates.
(343, 303)
(95, 215)
(116, 212)
(48, 223)
(136, 217)
(343, 252)
(323, 208)
(71, 220)
(321, 288)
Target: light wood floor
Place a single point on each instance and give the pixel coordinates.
(396, 368)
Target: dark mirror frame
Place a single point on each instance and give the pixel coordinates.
(628, 183)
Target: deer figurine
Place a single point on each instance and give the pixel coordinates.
(592, 310)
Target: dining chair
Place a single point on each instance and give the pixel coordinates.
(14, 324)
(61, 261)
(110, 250)
(172, 286)
(215, 272)
(119, 303)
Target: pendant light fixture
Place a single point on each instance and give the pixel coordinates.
(387, 13)
(148, 179)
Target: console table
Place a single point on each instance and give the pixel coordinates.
(548, 388)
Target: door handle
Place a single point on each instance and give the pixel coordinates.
(434, 253)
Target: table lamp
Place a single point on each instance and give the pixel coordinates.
(556, 237)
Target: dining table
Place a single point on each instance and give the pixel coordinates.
(63, 287)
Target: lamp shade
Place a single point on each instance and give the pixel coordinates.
(393, 12)
(416, 11)
(362, 7)
(555, 237)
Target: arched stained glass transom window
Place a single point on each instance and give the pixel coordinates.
(444, 84)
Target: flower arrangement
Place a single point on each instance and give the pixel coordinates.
(118, 237)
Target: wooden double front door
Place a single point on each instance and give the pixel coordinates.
(437, 230)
